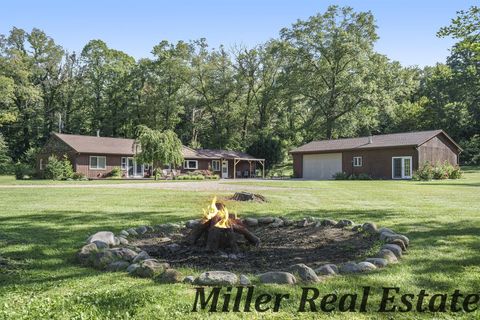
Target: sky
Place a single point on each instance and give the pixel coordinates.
(407, 28)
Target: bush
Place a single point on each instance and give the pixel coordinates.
(471, 151)
(191, 176)
(79, 176)
(116, 173)
(23, 171)
(364, 176)
(438, 172)
(58, 169)
(340, 176)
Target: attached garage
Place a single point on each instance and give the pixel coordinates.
(321, 166)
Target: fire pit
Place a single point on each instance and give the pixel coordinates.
(217, 229)
(220, 240)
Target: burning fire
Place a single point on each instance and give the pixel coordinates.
(217, 209)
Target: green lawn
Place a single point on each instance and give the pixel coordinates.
(42, 228)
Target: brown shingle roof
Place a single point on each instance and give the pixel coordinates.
(104, 145)
(378, 141)
(98, 145)
(190, 153)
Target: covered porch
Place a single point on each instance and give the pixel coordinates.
(248, 168)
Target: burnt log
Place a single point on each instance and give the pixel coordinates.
(253, 239)
(247, 196)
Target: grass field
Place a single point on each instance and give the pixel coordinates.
(42, 228)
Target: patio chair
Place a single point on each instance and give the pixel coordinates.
(245, 174)
(239, 174)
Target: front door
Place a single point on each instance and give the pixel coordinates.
(224, 169)
(135, 170)
(131, 168)
(401, 167)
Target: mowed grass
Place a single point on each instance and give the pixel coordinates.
(42, 228)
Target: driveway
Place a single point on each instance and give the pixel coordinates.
(213, 185)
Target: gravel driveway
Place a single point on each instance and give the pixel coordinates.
(216, 185)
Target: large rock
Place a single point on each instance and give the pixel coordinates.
(390, 237)
(189, 279)
(244, 281)
(344, 223)
(124, 233)
(133, 268)
(250, 222)
(190, 224)
(278, 277)
(277, 222)
(102, 259)
(370, 227)
(132, 232)
(170, 276)
(150, 268)
(349, 267)
(141, 230)
(327, 270)
(304, 272)
(101, 244)
(85, 253)
(104, 236)
(378, 262)
(266, 220)
(141, 256)
(123, 241)
(394, 248)
(365, 266)
(328, 223)
(387, 255)
(118, 266)
(124, 254)
(217, 278)
(399, 243)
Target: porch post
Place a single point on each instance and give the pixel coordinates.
(249, 168)
(234, 169)
(263, 169)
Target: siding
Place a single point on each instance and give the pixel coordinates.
(82, 164)
(377, 163)
(438, 149)
(297, 165)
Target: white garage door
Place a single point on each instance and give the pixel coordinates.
(321, 166)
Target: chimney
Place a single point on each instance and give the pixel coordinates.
(370, 139)
(98, 133)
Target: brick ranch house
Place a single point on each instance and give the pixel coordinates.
(388, 156)
(96, 156)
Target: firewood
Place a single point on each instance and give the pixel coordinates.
(253, 239)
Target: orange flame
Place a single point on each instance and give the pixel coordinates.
(213, 210)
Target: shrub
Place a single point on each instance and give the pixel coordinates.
(116, 173)
(58, 169)
(456, 173)
(340, 176)
(23, 171)
(79, 176)
(438, 172)
(364, 176)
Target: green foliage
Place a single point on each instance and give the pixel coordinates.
(116, 173)
(268, 148)
(159, 148)
(471, 150)
(192, 177)
(5, 160)
(340, 176)
(57, 169)
(23, 171)
(438, 172)
(79, 176)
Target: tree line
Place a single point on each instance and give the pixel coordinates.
(319, 79)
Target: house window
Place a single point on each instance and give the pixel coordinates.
(190, 164)
(41, 164)
(98, 162)
(215, 165)
(124, 163)
(357, 161)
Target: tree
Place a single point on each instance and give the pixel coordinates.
(5, 160)
(159, 148)
(331, 58)
(268, 148)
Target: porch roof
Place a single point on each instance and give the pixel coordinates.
(213, 154)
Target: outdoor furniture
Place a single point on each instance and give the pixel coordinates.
(246, 174)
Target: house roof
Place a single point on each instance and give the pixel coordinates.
(190, 153)
(102, 145)
(378, 141)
